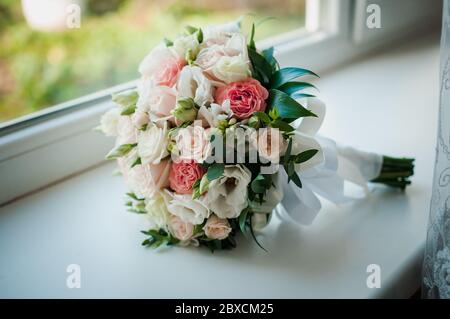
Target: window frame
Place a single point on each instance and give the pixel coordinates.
(52, 144)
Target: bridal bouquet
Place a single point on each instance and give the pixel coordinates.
(216, 135)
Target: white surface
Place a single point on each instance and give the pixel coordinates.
(386, 103)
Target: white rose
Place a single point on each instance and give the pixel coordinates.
(190, 210)
(231, 69)
(227, 195)
(144, 180)
(152, 144)
(210, 116)
(220, 33)
(209, 56)
(157, 212)
(237, 45)
(140, 119)
(192, 83)
(182, 44)
(109, 122)
(127, 132)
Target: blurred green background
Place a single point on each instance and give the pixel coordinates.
(39, 69)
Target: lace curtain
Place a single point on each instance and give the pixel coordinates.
(436, 270)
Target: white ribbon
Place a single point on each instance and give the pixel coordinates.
(327, 172)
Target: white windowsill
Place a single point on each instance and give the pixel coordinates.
(386, 103)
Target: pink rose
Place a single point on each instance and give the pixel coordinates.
(217, 228)
(162, 100)
(183, 175)
(167, 73)
(246, 97)
(162, 66)
(180, 229)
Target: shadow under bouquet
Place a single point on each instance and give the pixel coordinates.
(216, 135)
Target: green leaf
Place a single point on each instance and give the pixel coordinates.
(305, 156)
(120, 151)
(263, 117)
(188, 30)
(257, 185)
(126, 98)
(254, 237)
(128, 110)
(200, 35)
(282, 125)
(300, 95)
(273, 113)
(290, 169)
(287, 154)
(133, 196)
(288, 108)
(293, 87)
(215, 171)
(251, 42)
(285, 75)
(168, 42)
(136, 162)
(261, 183)
(268, 54)
(260, 65)
(294, 177)
(243, 219)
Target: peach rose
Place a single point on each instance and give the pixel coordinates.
(246, 97)
(183, 175)
(192, 142)
(180, 229)
(157, 101)
(217, 228)
(162, 66)
(269, 143)
(145, 180)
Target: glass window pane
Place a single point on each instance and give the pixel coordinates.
(43, 62)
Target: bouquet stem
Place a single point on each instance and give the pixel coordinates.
(395, 172)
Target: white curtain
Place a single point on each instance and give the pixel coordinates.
(436, 270)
